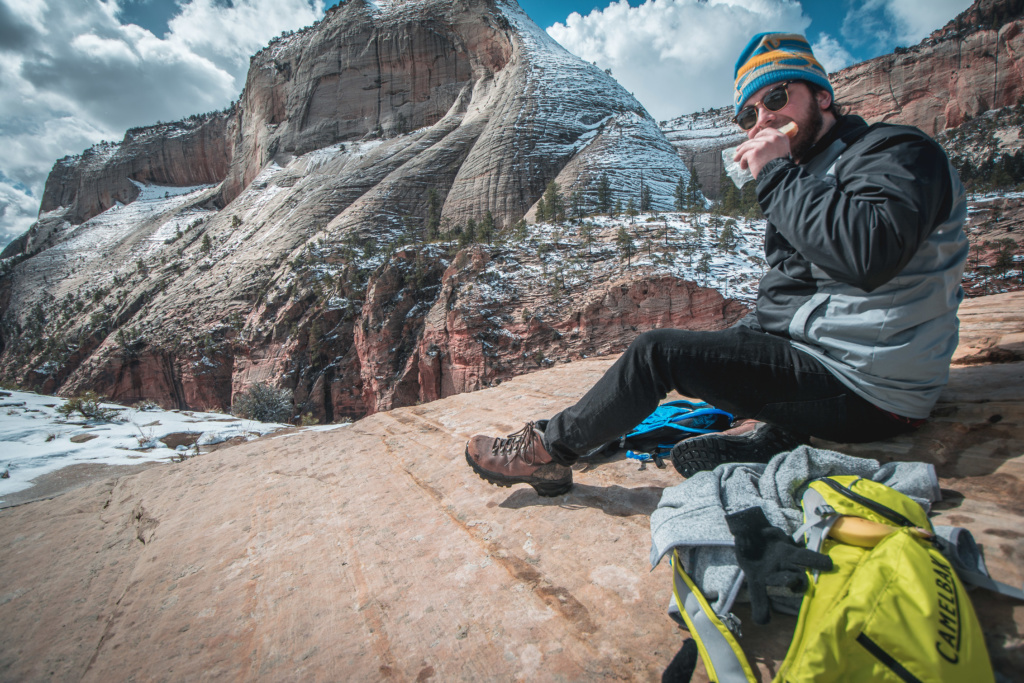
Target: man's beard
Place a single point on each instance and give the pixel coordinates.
(808, 133)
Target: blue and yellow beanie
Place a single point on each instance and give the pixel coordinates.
(775, 57)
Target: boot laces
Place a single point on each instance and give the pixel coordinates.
(517, 445)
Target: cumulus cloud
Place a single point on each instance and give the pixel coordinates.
(917, 19)
(73, 74)
(17, 209)
(831, 54)
(676, 56)
(886, 24)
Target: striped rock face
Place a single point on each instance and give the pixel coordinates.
(256, 244)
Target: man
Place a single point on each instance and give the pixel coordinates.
(856, 319)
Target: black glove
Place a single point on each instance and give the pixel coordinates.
(769, 557)
(680, 669)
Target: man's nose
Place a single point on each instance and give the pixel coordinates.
(765, 116)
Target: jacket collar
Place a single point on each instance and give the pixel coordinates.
(845, 129)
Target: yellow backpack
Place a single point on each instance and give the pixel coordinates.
(892, 609)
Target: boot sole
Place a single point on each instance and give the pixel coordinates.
(544, 488)
(704, 453)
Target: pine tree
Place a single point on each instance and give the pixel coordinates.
(618, 208)
(729, 237)
(554, 203)
(631, 209)
(624, 242)
(704, 267)
(519, 230)
(645, 197)
(604, 194)
(1004, 255)
(468, 234)
(696, 194)
(729, 201)
(576, 207)
(689, 246)
(587, 235)
(433, 220)
(541, 215)
(681, 203)
(486, 228)
(748, 201)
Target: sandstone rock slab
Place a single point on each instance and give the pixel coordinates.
(372, 551)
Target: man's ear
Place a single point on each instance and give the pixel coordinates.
(824, 98)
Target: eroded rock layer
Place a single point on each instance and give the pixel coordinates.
(302, 236)
(968, 67)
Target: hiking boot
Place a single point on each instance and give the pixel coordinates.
(519, 458)
(748, 441)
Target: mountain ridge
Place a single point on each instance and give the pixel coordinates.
(360, 149)
(302, 234)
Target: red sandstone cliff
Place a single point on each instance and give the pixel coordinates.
(974, 64)
(301, 262)
(299, 258)
(194, 151)
(475, 100)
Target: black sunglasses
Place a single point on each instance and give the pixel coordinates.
(776, 99)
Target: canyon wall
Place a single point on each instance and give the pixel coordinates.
(303, 236)
(974, 64)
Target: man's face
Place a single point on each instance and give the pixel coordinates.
(804, 107)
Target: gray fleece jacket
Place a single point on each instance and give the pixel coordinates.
(691, 515)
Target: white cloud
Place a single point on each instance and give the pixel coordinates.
(17, 211)
(104, 49)
(885, 24)
(916, 19)
(831, 54)
(676, 56)
(72, 74)
(27, 12)
(234, 33)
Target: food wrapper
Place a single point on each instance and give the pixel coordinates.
(739, 175)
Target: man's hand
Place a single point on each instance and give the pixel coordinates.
(768, 144)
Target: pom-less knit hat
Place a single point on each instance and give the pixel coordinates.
(775, 57)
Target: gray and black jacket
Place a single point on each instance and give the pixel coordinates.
(866, 250)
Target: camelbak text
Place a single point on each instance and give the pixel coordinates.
(948, 642)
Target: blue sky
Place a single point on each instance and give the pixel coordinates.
(827, 16)
(73, 73)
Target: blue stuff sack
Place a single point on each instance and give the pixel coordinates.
(669, 424)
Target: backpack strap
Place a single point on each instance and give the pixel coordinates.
(959, 547)
(983, 581)
(819, 518)
(723, 657)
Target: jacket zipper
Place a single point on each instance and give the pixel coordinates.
(872, 505)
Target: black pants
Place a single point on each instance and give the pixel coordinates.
(742, 370)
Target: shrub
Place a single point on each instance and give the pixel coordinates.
(263, 403)
(88, 405)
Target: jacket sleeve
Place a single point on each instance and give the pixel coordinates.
(889, 194)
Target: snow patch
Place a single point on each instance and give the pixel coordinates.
(35, 439)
